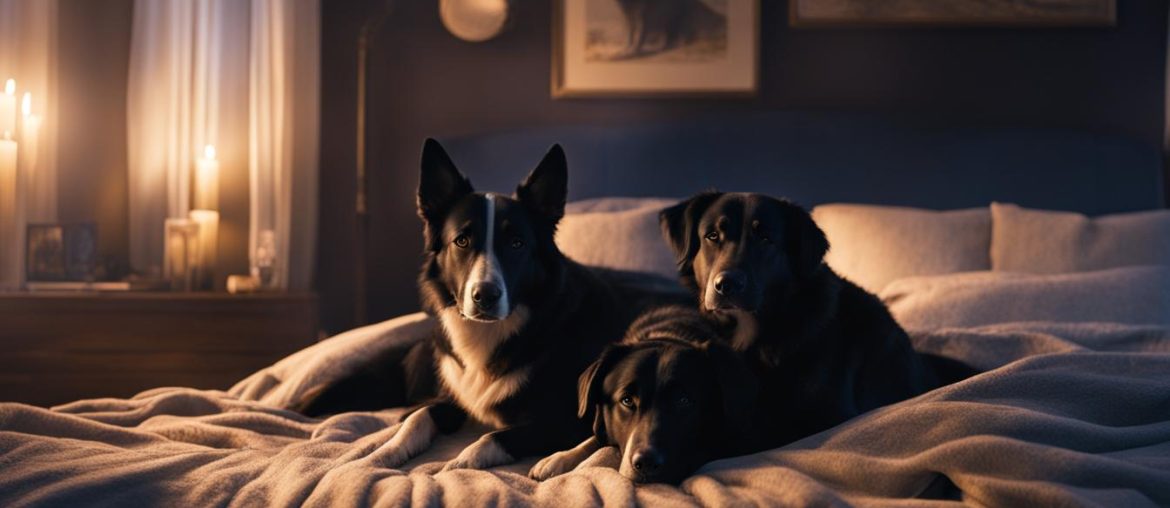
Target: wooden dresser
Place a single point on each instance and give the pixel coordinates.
(59, 347)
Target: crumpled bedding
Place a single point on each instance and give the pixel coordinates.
(1069, 414)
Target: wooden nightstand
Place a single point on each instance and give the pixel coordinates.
(59, 347)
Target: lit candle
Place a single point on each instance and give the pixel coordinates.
(29, 137)
(9, 235)
(8, 110)
(207, 180)
(208, 221)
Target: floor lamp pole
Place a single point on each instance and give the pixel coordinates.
(361, 209)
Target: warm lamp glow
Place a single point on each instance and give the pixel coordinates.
(209, 152)
(26, 105)
(10, 87)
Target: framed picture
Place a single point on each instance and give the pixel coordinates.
(60, 252)
(812, 13)
(636, 48)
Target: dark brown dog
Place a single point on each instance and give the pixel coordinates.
(823, 349)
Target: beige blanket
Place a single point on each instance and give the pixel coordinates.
(1072, 414)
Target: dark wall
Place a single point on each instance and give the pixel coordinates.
(424, 82)
(93, 44)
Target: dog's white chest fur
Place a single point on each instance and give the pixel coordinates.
(476, 390)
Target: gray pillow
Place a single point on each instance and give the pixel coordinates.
(1133, 295)
(1038, 241)
(874, 245)
(620, 233)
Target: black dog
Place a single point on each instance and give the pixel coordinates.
(670, 397)
(518, 320)
(824, 349)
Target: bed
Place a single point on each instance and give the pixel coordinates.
(1068, 314)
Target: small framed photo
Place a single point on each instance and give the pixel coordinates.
(648, 48)
(60, 252)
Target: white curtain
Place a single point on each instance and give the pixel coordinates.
(193, 64)
(28, 55)
(283, 107)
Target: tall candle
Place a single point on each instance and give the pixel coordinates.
(207, 180)
(30, 126)
(9, 233)
(208, 221)
(8, 110)
(29, 139)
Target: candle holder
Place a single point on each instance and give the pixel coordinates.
(264, 260)
(182, 255)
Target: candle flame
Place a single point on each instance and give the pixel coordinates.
(209, 152)
(26, 104)
(10, 86)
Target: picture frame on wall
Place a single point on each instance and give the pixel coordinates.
(655, 48)
(992, 13)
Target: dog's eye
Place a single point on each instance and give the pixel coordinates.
(462, 241)
(627, 401)
(517, 243)
(712, 236)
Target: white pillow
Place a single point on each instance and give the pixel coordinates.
(1039, 241)
(1133, 295)
(874, 245)
(620, 233)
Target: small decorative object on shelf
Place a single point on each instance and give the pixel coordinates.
(61, 252)
(181, 255)
(240, 284)
(264, 260)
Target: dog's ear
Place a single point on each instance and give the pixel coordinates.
(737, 385)
(545, 189)
(804, 241)
(589, 386)
(680, 226)
(440, 184)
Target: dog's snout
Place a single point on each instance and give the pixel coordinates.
(646, 461)
(730, 282)
(485, 294)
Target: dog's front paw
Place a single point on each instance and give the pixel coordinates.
(556, 464)
(484, 453)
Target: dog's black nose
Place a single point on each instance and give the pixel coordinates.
(646, 461)
(485, 294)
(730, 282)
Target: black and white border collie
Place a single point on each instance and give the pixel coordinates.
(518, 320)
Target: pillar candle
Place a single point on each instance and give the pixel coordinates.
(8, 110)
(30, 126)
(29, 140)
(208, 221)
(207, 180)
(9, 233)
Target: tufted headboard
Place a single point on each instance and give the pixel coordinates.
(819, 158)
